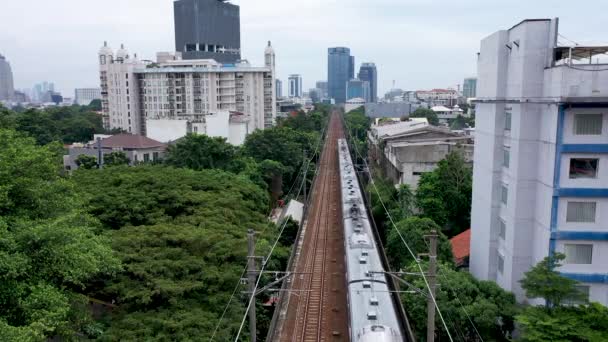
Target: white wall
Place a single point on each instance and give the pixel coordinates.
(166, 130)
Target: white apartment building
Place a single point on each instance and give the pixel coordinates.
(540, 181)
(84, 96)
(438, 97)
(295, 86)
(135, 92)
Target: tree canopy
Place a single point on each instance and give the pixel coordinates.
(444, 195)
(200, 152)
(427, 113)
(48, 246)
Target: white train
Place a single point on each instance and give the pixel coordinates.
(372, 315)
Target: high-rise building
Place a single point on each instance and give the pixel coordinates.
(369, 73)
(84, 96)
(295, 85)
(340, 67)
(279, 87)
(7, 87)
(135, 92)
(322, 85)
(469, 88)
(208, 29)
(358, 89)
(541, 159)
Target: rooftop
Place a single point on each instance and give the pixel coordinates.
(461, 246)
(130, 141)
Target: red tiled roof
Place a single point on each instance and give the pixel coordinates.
(461, 245)
(131, 141)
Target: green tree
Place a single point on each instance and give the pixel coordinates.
(543, 281)
(458, 123)
(427, 113)
(48, 246)
(86, 162)
(200, 152)
(463, 301)
(115, 159)
(413, 230)
(444, 195)
(95, 105)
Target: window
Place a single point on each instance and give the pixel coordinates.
(146, 157)
(504, 195)
(502, 229)
(588, 124)
(581, 212)
(155, 156)
(506, 157)
(501, 264)
(583, 168)
(578, 254)
(507, 121)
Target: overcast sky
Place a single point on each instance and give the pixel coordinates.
(417, 43)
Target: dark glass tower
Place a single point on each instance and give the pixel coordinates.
(208, 29)
(369, 73)
(340, 68)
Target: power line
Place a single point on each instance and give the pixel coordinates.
(402, 238)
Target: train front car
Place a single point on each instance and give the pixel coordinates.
(372, 315)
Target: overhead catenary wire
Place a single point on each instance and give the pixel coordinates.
(305, 164)
(402, 238)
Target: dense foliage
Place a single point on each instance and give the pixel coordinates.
(427, 113)
(63, 124)
(463, 301)
(357, 125)
(48, 246)
(200, 152)
(181, 237)
(559, 320)
(444, 195)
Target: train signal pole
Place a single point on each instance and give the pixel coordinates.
(430, 307)
(251, 275)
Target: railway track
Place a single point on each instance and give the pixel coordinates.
(317, 309)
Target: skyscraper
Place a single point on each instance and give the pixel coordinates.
(358, 89)
(295, 86)
(208, 29)
(369, 73)
(340, 66)
(469, 87)
(279, 87)
(7, 88)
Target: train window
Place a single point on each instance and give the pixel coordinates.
(363, 260)
(367, 284)
(372, 315)
(373, 301)
(357, 230)
(364, 253)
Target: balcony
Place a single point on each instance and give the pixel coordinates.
(579, 74)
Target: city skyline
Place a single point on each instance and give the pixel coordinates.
(432, 53)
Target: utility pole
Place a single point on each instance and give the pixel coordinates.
(251, 276)
(99, 154)
(430, 307)
(304, 179)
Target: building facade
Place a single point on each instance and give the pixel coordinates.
(208, 29)
(540, 181)
(340, 69)
(322, 85)
(369, 73)
(469, 88)
(279, 88)
(438, 97)
(7, 87)
(295, 86)
(358, 89)
(134, 92)
(84, 96)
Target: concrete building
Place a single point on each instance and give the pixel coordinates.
(469, 88)
(444, 114)
(7, 87)
(540, 182)
(84, 96)
(208, 29)
(134, 91)
(369, 73)
(358, 89)
(404, 150)
(439, 97)
(390, 109)
(322, 85)
(279, 88)
(340, 69)
(295, 85)
(136, 147)
(353, 104)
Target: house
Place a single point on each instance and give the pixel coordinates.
(136, 147)
(461, 248)
(405, 150)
